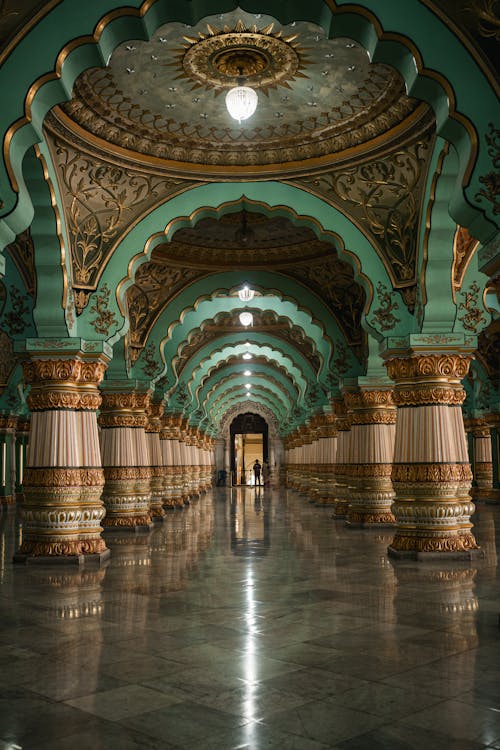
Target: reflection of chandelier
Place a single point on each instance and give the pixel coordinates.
(241, 102)
(246, 319)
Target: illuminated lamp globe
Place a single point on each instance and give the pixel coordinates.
(241, 102)
(247, 373)
(248, 386)
(246, 294)
(246, 319)
(247, 355)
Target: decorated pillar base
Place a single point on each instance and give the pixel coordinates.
(127, 500)
(157, 497)
(371, 503)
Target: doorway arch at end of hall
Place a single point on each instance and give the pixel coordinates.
(248, 423)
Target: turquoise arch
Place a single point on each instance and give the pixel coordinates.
(261, 345)
(220, 405)
(236, 369)
(259, 385)
(218, 198)
(400, 34)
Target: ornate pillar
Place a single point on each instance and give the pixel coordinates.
(327, 439)
(373, 428)
(125, 458)
(22, 437)
(431, 471)
(482, 464)
(342, 463)
(63, 478)
(494, 424)
(8, 424)
(153, 427)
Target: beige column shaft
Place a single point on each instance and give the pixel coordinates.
(63, 479)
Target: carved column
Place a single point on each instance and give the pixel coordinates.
(327, 438)
(342, 465)
(482, 457)
(494, 424)
(431, 471)
(63, 479)
(167, 454)
(125, 458)
(373, 428)
(22, 437)
(8, 424)
(153, 427)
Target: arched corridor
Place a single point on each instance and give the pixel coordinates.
(234, 235)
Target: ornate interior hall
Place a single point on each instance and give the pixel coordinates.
(237, 233)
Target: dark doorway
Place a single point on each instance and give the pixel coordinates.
(251, 429)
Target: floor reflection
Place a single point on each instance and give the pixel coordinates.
(204, 635)
(250, 521)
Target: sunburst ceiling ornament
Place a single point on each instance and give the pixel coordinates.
(219, 58)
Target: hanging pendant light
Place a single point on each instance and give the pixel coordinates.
(241, 102)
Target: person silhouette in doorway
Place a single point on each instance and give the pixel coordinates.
(256, 472)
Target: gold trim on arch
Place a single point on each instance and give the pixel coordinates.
(430, 204)
(53, 200)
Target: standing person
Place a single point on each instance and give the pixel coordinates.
(256, 472)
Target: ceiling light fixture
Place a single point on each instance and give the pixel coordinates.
(241, 102)
(248, 386)
(247, 373)
(246, 319)
(247, 355)
(246, 294)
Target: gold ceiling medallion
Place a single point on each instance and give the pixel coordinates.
(219, 58)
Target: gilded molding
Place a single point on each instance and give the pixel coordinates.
(452, 543)
(62, 477)
(63, 399)
(38, 372)
(374, 417)
(431, 473)
(423, 366)
(9, 422)
(120, 473)
(125, 401)
(63, 547)
(429, 395)
(122, 420)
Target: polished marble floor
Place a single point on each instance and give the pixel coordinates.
(251, 620)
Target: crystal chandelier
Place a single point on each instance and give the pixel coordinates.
(241, 102)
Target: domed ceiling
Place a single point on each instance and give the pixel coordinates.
(164, 98)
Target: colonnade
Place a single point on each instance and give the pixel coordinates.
(103, 455)
(82, 473)
(398, 456)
